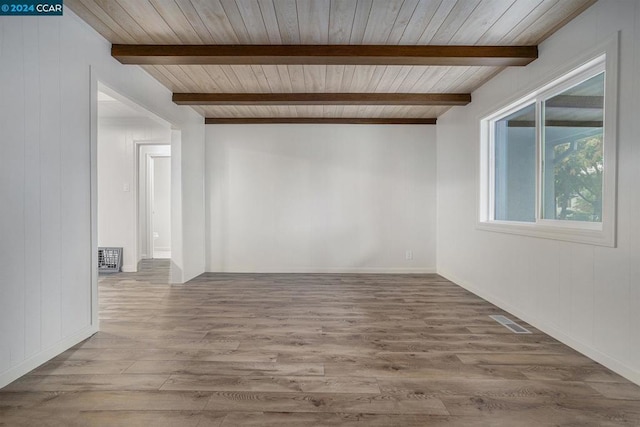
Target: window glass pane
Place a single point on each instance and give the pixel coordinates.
(515, 166)
(573, 152)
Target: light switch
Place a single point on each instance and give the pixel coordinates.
(126, 187)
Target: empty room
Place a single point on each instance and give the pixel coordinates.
(319, 213)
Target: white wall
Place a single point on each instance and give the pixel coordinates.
(117, 210)
(320, 198)
(46, 238)
(189, 247)
(177, 260)
(587, 296)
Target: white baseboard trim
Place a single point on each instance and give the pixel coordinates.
(129, 269)
(589, 351)
(26, 366)
(330, 270)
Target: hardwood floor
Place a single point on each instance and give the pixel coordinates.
(312, 350)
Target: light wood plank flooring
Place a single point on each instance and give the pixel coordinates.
(312, 350)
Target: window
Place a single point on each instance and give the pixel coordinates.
(514, 151)
(573, 153)
(548, 160)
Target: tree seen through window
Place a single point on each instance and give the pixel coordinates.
(578, 169)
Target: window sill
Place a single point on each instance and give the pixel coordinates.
(598, 237)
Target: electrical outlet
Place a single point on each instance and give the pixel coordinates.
(408, 255)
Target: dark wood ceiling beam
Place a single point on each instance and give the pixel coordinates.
(324, 54)
(446, 99)
(557, 123)
(576, 101)
(320, 120)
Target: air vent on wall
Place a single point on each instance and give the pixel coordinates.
(510, 324)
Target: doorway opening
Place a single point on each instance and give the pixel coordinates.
(161, 207)
(154, 201)
(133, 180)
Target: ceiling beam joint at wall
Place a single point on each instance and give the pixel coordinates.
(319, 120)
(446, 99)
(499, 56)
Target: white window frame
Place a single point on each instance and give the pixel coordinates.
(604, 58)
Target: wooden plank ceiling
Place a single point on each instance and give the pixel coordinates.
(323, 89)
